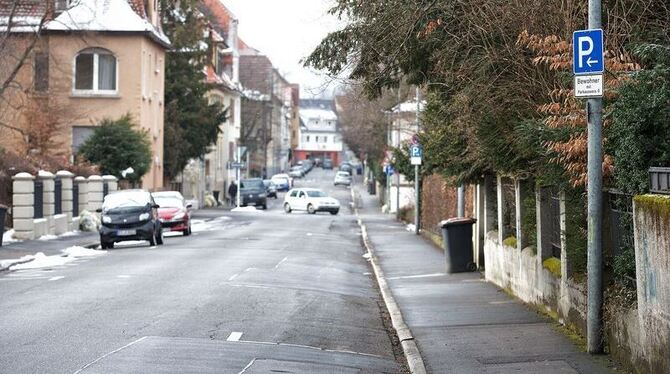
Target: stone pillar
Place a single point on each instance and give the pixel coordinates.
(480, 214)
(94, 193)
(112, 182)
(543, 222)
(49, 199)
(490, 211)
(82, 183)
(520, 195)
(501, 210)
(23, 208)
(65, 178)
(566, 271)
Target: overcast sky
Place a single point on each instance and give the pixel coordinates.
(287, 31)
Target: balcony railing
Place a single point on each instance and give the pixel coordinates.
(659, 179)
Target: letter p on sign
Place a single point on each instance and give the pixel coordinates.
(585, 49)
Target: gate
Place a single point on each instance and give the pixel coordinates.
(58, 196)
(75, 199)
(38, 211)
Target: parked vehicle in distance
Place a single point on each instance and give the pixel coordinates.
(311, 200)
(342, 177)
(327, 164)
(270, 188)
(346, 167)
(296, 171)
(252, 192)
(317, 162)
(174, 213)
(283, 182)
(129, 215)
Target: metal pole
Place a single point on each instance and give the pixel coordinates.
(397, 196)
(417, 192)
(238, 172)
(595, 181)
(461, 201)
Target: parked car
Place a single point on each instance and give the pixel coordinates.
(252, 192)
(342, 177)
(297, 171)
(311, 200)
(327, 164)
(174, 213)
(317, 162)
(283, 182)
(129, 215)
(346, 167)
(270, 188)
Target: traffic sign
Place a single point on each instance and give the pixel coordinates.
(416, 151)
(389, 170)
(237, 165)
(589, 86)
(588, 54)
(415, 139)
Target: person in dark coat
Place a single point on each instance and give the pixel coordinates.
(232, 193)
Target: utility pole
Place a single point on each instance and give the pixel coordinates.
(595, 181)
(397, 174)
(461, 200)
(417, 198)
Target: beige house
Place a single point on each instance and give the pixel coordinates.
(95, 59)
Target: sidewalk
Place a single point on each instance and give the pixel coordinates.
(461, 323)
(11, 253)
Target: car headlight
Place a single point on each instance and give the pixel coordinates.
(178, 216)
(144, 216)
(106, 219)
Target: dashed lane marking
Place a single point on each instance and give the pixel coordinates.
(234, 336)
(281, 262)
(56, 278)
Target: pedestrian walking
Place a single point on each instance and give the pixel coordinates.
(232, 193)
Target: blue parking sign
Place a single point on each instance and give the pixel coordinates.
(588, 52)
(416, 151)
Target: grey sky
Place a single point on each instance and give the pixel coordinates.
(287, 31)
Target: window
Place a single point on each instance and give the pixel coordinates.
(95, 70)
(317, 139)
(61, 5)
(79, 136)
(41, 70)
(307, 138)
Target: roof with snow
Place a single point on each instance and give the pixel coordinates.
(83, 15)
(409, 107)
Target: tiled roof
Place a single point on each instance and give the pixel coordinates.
(221, 19)
(24, 8)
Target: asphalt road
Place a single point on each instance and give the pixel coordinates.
(254, 293)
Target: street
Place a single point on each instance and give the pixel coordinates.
(252, 292)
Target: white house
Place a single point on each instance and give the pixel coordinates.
(319, 135)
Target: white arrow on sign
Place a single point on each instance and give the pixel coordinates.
(591, 62)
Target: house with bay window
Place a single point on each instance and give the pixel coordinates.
(319, 135)
(87, 60)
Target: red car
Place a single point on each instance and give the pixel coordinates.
(173, 212)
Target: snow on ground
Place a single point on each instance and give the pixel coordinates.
(410, 227)
(7, 237)
(40, 260)
(47, 237)
(249, 209)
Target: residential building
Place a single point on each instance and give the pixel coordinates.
(319, 135)
(91, 60)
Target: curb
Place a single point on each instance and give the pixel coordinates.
(409, 346)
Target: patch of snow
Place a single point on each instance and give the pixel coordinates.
(249, 209)
(367, 256)
(77, 252)
(41, 260)
(8, 237)
(47, 237)
(70, 233)
(410, 227)
(8, 263)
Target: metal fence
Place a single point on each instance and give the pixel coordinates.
(39, 200)
(58, 196)
(621, 221)
(105, 189)
(75, 200)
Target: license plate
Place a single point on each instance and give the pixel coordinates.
(126, 232)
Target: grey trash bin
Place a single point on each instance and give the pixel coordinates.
(3, 214)
(457, 237)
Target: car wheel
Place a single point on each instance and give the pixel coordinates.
(334, 212)
(265, 206)
(287, 208)
(159, 237)
(187, 232)
(310, 209)
(152, 240)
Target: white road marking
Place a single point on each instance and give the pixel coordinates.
(250, 286)
(248, 366)
(233, 277)
(418, 276)
(109, 354)
(234, 336)
(280, 262)
(473, 280)
(56, 278)
(248, 269)
(123, 276)
(502, 302)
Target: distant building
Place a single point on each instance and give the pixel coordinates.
(319, 134)
(92, 60)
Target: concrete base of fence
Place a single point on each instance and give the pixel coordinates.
(61, 225)
(41, 227)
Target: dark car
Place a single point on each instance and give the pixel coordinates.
(270, 188)
(129, 215)
(346, 167)
(174, 212)
(252, 192)
(327, 164)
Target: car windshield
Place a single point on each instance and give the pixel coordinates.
(251, 184)
(279, 180)
(342, 174)
(126, 200)
(316, 193)
(169, 201)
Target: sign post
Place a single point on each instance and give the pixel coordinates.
(416, 157)
(588, 66)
